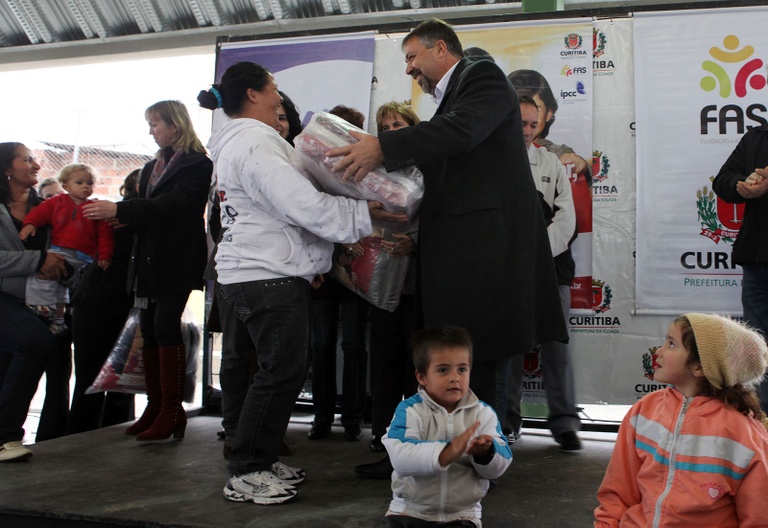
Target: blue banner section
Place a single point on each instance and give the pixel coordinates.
(278, 57)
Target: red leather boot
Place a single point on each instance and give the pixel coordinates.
(151, 361)
(172, 421)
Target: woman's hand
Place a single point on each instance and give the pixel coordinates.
(100, 210)
(53, 267)
(354, 250)
(376, 209)
(402, 245)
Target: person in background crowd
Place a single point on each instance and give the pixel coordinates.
(696, 452)
(49, 187)
(79, 240)
(556, 358)
(168, 259)
(100, 307)
(288, 119)
(391, 371)
(329, 302)
(743, 179)
(27, 345)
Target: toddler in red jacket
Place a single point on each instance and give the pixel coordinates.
(696, 452)
(78, 239)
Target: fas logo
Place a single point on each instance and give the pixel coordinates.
(742, 61)
(601, 296)
(648, 357)
(573, 41)
(598, 43)
(719, 220)
(600, 166)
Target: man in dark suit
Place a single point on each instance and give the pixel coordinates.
(486, 264)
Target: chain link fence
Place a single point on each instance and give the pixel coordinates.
(111, 166)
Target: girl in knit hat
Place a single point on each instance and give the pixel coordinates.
(696, 452)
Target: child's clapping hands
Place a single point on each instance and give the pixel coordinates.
(479, 447)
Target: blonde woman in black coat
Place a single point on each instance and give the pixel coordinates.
(168, 259)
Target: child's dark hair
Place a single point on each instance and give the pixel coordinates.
(428, 340)
(130, 186)
(742, 398)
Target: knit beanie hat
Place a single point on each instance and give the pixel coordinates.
(730, 352)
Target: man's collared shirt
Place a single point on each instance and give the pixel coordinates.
(442, 85)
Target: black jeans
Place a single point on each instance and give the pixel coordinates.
(94, 333)
(392, 371)
(27, 346)
(161, 321)
(325, 324)
(276, 314)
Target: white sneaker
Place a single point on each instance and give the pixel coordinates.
(14, 451)
(288, 474)
(261, 487)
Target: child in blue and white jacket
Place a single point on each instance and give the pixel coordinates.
(444, 443)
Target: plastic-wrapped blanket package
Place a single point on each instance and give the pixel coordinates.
(123, 371)
(375, 276)
(399, 191)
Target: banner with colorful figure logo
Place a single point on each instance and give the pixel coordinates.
(701, 86)
(552, 57)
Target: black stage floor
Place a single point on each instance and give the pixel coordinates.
(104, 478)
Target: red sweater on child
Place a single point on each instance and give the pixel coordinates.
(70, 229)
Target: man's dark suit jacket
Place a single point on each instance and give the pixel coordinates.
(486, 263)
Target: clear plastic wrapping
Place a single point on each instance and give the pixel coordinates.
(399, 191)
(376, 276)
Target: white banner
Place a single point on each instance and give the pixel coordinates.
(700, 86)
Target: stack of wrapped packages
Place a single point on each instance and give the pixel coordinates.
(375, 275)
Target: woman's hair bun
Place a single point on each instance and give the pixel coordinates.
(208, 99)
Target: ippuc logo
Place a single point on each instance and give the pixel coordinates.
(744, 78)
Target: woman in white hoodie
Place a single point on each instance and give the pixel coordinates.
(278, 238)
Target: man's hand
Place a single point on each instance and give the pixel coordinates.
(104, 264)
(359, 158)
(755, 186)
(27, 231)
(53, 267)
(376, 209)
(457, 447)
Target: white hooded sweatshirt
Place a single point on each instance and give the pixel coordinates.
(276, 223)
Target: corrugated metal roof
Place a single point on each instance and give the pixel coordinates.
(29, 22)
(32, 30)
